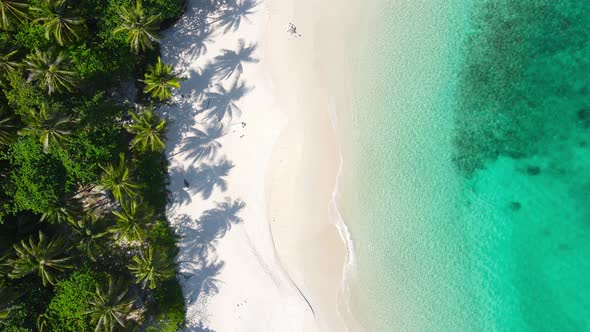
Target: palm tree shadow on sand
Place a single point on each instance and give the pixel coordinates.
(220, 102)
(202, 144)
(218, 221)
(199, 96)
(200, 328)
(207, 17)
(205, 178)
(192, 33)
(236, 11)
(198, 239)
(230, 61)
(188, 106)
(201, 91)
(199, 41)
(200, 180)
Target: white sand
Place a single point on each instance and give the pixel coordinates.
(276, 263)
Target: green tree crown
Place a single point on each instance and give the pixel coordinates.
(141, 28)
(51, 70)
(89, 233)
(12, 12)
(149, 131)
(59, 20)
(160, 80)
(132, 222)
(150, 269)
(46, 257)
(109, 306)
(50, 127)
(68, 309)
(117, 179)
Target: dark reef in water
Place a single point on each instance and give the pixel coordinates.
(526, 81)
(515, 206)
(584, 117)
(522, 128)
(533, 170)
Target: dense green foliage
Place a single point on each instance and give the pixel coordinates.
(69, 306)
(36, 181)
(84, 241)
(169, 297)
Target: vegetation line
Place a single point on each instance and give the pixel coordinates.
(84, 240)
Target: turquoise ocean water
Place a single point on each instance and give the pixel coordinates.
(466, 187)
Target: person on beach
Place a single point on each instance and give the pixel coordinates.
(293, 30)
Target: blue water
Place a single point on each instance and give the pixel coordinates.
(469, 197)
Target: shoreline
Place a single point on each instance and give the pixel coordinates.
(314, 114)
(349, 263)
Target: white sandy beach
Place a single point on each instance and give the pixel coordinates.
(254, 161)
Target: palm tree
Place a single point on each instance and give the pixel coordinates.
(141, 28)
(56, 214)
(12, 12)
(62, 211)
(50, 127)
(150, 269)
(149, 131)
(131, 222)
(7, 127)
(88, 233)
(45, 257)
(109, 306)
(159, 81)
(7, 64)
(117, 179)
(53, 71)
(56, 18)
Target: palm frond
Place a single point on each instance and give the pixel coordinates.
(50, 127)
(12, 12)
(149, 131)
(132, 222)
(59, 21)
(46, 257)
(160, 80)
(109, 306)
(141, 28)
(150, 269)
(117, 179)
(51, 70)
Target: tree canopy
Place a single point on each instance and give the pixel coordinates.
(82, 171)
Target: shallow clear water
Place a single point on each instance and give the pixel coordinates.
(469, 198)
